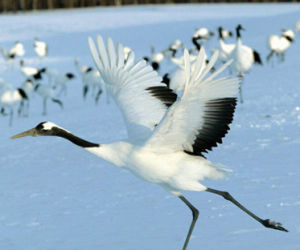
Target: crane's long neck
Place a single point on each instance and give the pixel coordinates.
(115, 153)
(220, 33)
(73, 138)
(238, 34)
(195, 42)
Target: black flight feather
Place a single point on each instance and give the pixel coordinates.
(218, 115)
(164, 94)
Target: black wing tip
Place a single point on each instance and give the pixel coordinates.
(164, 94)
(218, 117)
(257, 58)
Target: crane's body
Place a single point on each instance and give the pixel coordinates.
(40, 48)
(182, 171)
(46, 92)
(91, 78)
(9, 99)
(225, 48)
(279, 44)
(18, 49)
(243, 58)
(167, 135)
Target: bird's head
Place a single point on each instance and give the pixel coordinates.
(42, 129)
(240, 27)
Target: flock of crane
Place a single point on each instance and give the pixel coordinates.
(12, 97)
(47, 82)
(172, 121)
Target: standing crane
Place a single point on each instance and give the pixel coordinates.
(244, 57)
(167, 135)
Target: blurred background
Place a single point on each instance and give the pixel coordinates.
(21, 5)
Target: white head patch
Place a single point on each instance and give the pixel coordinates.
(50, 125)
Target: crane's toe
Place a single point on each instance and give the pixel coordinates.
(273, 224)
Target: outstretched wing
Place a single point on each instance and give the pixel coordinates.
(135, 87)
(201, 118)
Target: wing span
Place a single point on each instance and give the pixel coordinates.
(135, 86)
(200, 119)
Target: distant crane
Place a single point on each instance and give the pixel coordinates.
(91, 79)
(40, 48)
(167, 135)
(225, 48)
(46, 92)
(9, 99)
(279, 44)
(244, 57)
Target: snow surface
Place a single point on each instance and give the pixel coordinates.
(54, 195)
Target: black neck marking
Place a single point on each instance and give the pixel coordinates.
(174, 51)
(23, 94)
(195, 42)
(238, 32)
(288, 38)
(220, 33)
(73, 138)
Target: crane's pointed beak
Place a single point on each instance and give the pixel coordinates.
(30, 132)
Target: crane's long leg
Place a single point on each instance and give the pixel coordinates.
(98, 95)
(266, 223)
(11, 116)
(195, 217)
(240, 88)
(85, 91)
(270, 55)
(44, 106)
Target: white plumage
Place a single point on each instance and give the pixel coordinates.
(225, 48)
(40, 48)
(92, 79)
(279, 44)
(58, 79)
(177, 75)
(28, 71)
(9, 99)
(244, 56)
(167, 136)
(28, 88)
(18, 49)
(203, 34)
(46, 92)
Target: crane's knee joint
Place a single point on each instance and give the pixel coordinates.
(195, 213)
(227, 196)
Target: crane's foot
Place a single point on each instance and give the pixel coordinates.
(274, 225)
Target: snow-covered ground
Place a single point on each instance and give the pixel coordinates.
(54, 195)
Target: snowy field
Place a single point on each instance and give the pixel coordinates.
(54, 195)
